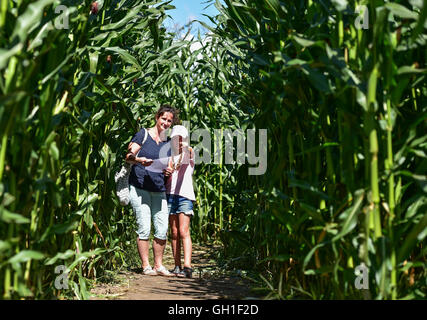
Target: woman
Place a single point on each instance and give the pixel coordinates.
(180, 196)
(147, 189)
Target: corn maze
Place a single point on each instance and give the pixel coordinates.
(339, 85)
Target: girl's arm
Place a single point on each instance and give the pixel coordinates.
(169, 170)
(191, 156)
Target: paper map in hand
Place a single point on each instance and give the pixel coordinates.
(158, 165)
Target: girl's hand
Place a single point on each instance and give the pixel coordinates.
(168, 171)
(191, 153)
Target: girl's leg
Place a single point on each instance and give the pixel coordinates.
(176, 241)
(184, 234)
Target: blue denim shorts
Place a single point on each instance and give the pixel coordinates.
(178, 204)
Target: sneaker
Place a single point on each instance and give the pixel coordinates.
(187, 272)
(148, 271)
(162, 271)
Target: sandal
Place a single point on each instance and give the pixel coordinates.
(162, 271)
(148, 271)
(176, 271)
(187, 272)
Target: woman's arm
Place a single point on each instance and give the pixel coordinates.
(133, 149)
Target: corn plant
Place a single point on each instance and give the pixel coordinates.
(70, 101)
(346, 164)
(346, 119)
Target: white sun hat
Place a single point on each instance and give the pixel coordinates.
(179, 130)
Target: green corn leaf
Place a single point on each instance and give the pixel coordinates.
(42, 34)
(5, 55)
(350, 216)
(401, 11)
(416, 235)
(125, 56)
(303, 42)
(410, 69)
(29, 19)
(60, 256)
(26, 255)
(93, 61)
(10, 217)
(5, 245)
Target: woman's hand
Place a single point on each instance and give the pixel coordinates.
(130, 157)
(144, 161)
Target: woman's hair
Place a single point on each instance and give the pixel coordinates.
(168, 108)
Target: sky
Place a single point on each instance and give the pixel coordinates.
(187, 10)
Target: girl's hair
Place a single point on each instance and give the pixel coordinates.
(168, 108)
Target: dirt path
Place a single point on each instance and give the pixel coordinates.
(208, 282)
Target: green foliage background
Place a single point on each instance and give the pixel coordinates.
(344, 108)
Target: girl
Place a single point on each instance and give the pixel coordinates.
(180, 197)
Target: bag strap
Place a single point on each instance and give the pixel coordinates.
(145, 136)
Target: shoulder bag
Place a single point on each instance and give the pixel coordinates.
(122, 179)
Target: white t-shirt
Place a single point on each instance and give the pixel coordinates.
(181, 181)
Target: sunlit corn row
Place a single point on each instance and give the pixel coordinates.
(342, 95)
(72, 95)
(74, 91)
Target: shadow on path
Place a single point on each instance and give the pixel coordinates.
(205, 284)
